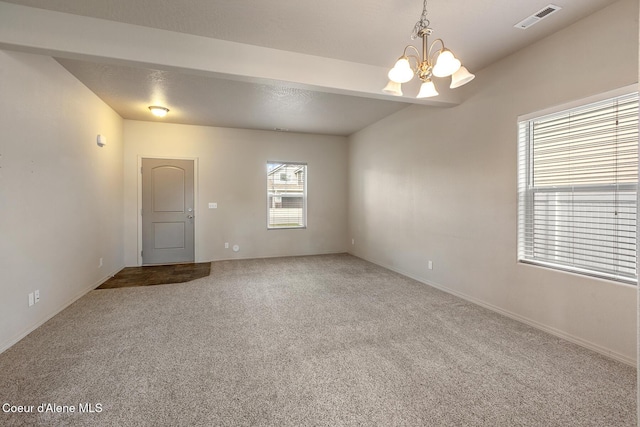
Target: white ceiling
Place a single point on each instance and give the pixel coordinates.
(371, 32)
(200, 100)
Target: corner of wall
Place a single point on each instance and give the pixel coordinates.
(62, 231)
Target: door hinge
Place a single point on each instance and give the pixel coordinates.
(141, 212)
(141, 254)
(140, 169)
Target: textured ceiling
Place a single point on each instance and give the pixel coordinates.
(208, 101)
(364, 31)
(361, 31)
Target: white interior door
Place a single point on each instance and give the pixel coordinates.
(167, 211)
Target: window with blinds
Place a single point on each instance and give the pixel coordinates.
(577, 188)
(286, 195)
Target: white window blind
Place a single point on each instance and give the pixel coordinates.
(577, 185)
(286, 195)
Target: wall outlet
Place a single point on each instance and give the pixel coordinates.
(31, 299)
(430, 265)
(226, 245)
(100, 263)
(36, 296)
(353, 241)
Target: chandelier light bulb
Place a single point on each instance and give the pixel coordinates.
(427, 90)
(393, 88)
(401, 72)
(461, 77)
(446, 64)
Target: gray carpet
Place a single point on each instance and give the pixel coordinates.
(325, 340)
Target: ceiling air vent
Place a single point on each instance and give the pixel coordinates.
(537, 17)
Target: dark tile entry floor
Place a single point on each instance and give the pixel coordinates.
(157, 275)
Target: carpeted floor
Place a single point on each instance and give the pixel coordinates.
(324, 341)
(157, 275)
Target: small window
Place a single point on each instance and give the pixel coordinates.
(286, 195)
(577, 189)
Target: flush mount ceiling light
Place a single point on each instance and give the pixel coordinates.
(158, 111)
(438, 63)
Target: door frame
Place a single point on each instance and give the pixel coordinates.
(195, 201)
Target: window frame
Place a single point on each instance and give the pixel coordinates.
(526, 191)
(289, 182)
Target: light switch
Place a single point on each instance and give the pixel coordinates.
(213, 206)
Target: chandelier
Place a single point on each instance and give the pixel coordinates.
(438, 63)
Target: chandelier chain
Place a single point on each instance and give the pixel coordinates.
(422, 24)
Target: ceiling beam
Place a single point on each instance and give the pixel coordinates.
(70, 36)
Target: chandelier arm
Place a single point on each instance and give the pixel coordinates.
(431, 48)
(410, 46)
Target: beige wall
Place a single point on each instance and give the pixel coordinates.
(232, 173)
(440, 185)
(60, 194)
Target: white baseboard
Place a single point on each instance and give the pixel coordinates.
(11, 342)
(545, 328)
